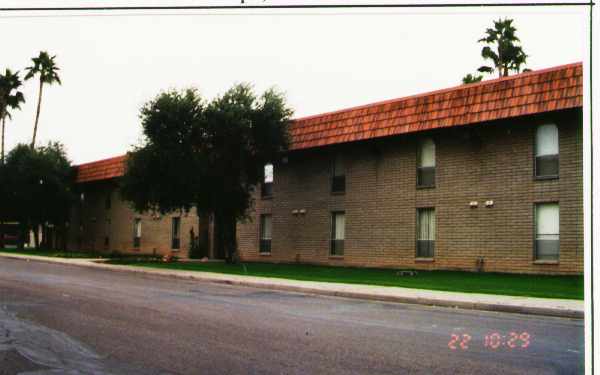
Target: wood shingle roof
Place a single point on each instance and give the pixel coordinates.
(539, 91)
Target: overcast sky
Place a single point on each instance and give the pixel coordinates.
(323, 60)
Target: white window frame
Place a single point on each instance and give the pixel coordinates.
(431, 238)
(334, 239)
(261, 234)
(554, 236)
(538, 154)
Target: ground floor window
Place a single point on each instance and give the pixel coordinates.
(338, 232)
(137, 232)
(175, 233)
(265, 233)
(425, 232)
(547, 231)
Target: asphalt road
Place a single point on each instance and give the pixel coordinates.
(58, 319)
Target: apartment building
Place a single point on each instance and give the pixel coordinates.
(486, 176)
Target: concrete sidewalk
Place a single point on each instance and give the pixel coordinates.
(487, 302)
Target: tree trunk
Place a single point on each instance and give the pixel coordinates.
(231, 239)
(42, 237)
(37, 114)
(219, 243)
(22, 235)
(3, 117)
(202, 240)
(225, 236)
(36, 236)
(2, 163)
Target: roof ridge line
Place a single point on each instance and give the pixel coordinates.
(439, 91)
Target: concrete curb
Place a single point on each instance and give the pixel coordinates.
(326, 290)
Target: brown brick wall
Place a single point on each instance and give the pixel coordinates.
(381, 200)
(156, 231)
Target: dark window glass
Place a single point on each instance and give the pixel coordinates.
(338, 180)
(266, 189)
(107, 201)
(426, 176)
(546, 166)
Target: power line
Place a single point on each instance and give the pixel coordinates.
(297, 6)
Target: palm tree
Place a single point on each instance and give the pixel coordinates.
(45, 66)
(472, 78)
(10, 97)
(507, 56)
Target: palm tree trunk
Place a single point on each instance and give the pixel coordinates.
(36, 236)
(3, 125)
(37, 114)
(2, 163)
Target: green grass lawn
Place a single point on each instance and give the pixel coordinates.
(51, 253)
(568, 287)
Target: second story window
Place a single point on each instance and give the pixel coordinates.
(338, 180)
(175, 233)
(338, 233)
(426, 163)
(265, 234)
(137, 232)
(546, 151)
(267, 185)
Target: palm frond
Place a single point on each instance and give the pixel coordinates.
(485, 69)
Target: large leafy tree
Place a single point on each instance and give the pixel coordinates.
(36, 187)
(46, 69)
(10, 99)
(207, 155)
(502, 48)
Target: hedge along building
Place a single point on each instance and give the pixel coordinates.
(481, 176)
